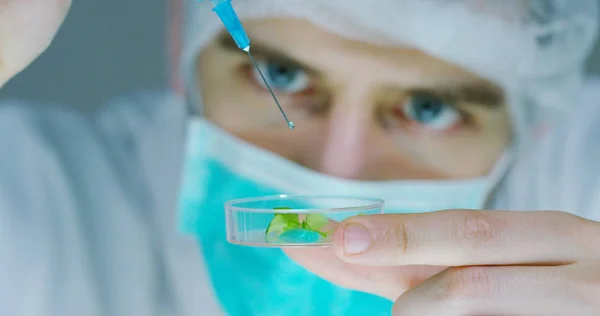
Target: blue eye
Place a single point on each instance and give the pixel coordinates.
(431, 113)
(282, 77)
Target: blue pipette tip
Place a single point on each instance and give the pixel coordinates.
(232, 23)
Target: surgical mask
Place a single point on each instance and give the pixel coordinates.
(263, 281)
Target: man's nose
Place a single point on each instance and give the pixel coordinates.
(349, 138)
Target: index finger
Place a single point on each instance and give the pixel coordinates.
(388, 282)
(464, 237)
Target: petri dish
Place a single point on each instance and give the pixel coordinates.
(292, 220)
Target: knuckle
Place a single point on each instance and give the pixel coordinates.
(475, 227)
(466, 283)
(401, 239)
(396, 236)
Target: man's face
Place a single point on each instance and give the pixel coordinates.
(361, 111)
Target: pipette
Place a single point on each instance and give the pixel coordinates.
(224, 10)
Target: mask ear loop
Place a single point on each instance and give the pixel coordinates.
(498, 174)
(516, 104)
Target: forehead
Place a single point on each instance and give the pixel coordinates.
(327, 52)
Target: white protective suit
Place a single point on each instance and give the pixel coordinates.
(88, 202)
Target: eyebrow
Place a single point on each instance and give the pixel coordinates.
(264, 51)
(478, 93)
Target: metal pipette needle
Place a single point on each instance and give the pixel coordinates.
(289, 123)
(224, 10)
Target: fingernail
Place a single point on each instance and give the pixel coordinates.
(357, 239)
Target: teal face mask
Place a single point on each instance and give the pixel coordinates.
(264, 282)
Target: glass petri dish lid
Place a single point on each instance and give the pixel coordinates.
(293, 220)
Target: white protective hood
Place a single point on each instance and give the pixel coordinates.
(534, 49)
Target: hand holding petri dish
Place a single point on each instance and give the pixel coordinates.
(293, 220)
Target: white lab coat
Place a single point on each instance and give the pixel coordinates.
(88, 206)
(87, 213)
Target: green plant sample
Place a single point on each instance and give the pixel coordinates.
(290, 222)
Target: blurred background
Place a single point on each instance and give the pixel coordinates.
(112, 47)
(104, 48)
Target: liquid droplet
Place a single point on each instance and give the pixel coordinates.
(299, 236)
